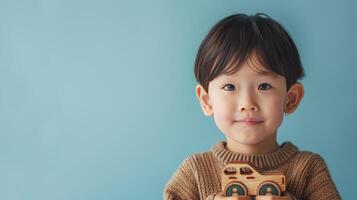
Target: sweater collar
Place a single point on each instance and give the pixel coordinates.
(268, 161)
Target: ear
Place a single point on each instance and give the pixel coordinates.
(294, 97)
(203, 98)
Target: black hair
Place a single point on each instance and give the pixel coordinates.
(236, 38)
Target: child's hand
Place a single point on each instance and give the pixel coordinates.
(221, 196)
(286, 196)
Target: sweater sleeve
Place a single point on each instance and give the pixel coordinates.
(320, 184)
(182, 185)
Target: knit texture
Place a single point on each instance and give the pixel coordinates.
(199, 176)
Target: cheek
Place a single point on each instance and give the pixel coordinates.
(223, 107)
(275, 112)
(279, 118)
(223, 113)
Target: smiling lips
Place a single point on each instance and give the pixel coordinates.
(249, 121)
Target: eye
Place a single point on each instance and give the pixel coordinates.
(228, 87)
(264, 86)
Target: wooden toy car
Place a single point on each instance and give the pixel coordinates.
(243, 178)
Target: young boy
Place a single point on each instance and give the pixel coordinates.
(248, 69)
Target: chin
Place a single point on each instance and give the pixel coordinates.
(250, 142)
(247, 140)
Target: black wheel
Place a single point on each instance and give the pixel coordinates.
(236, 187)
(267, 188)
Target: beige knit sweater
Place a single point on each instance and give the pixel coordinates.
(198, 177)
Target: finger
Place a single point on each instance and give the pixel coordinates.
(245, 198)
(232, 198)
(221, 196)
(236, 197)
(264, 197)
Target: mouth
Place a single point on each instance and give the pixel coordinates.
(249, 121)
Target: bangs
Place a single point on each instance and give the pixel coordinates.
(247, 41)
(240, 38)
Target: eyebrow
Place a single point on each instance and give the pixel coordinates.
(262, 74)
(267, 73)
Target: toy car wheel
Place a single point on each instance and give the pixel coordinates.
(236, 187)
(269, 188)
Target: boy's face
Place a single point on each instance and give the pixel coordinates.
(248, 106)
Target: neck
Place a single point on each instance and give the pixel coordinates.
(264, 147)
(267, 161)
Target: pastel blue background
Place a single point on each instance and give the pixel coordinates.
(97, 97)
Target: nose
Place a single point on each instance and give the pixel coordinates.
(248, 107)
(247, 103)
